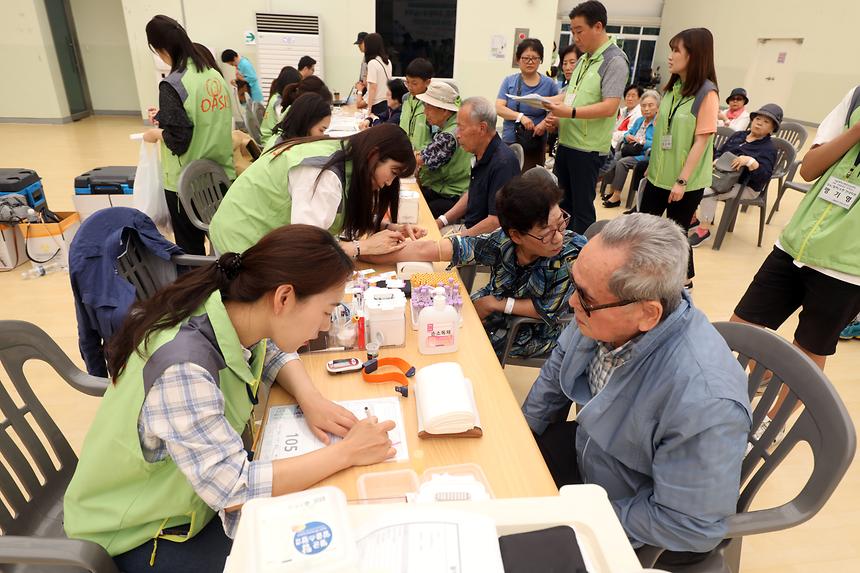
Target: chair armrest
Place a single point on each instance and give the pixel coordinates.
(44, 551)
(86, 383)
(513, 329)
(792, 169)
(193, 260)
(648, 555)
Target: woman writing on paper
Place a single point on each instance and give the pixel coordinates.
(346, 185)
(165, 452)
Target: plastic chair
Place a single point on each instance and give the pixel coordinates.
(788, 182)
(202, 185)
(823, 423)
(794, 133)
(785, 155)
(518, 322)
(518, 151)
(723, 133)
(32, 485)
(148, 272)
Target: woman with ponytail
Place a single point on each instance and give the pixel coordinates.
(165, 453)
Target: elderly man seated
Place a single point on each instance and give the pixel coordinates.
(665, 415)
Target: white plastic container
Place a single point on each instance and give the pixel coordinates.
(385, 312)
(437, 328)
(407, 210)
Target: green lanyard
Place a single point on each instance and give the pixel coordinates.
(581, 75)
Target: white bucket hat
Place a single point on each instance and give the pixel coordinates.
(442, 95)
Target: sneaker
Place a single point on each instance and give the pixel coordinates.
(851, 331)
(698, 237)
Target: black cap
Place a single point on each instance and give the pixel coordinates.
(360, 38)
(739, 92)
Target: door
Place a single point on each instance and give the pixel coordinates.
(68, 56)
(771, 78)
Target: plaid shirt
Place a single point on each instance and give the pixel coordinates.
(546, 282)
(183, 418)
(605, 361)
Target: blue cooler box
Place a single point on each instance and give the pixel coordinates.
(114, 180)
(23, 182)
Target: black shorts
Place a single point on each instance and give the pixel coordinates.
(780, 287)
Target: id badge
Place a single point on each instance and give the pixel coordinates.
(666, 141)
(839, 192)
(569, 98)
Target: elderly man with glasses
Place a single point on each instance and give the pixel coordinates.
(664, 415)
(528, 256)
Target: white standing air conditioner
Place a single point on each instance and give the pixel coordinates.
(284, 38)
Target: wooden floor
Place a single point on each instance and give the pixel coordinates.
(60, 152)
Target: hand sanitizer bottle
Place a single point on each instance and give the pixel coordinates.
(437, 328)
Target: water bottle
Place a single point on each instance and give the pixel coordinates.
(42, 269)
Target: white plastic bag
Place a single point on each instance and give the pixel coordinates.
(149, 186)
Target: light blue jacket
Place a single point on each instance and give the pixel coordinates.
(667, 434)
(649, 136)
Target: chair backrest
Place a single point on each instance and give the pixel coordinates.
(785, 156)
(144, 270)
(31, 483)
(518, 151)
(823, 423)
(202, 185)
(595, 228)
(794, 133)
(723, 133)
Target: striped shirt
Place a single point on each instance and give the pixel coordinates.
(183, 418)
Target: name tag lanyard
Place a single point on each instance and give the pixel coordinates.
(856, 164)
(673, 109)
(579, 77)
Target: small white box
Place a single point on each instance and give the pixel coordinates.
(86, 205)
(407, 210)
(385, 310)
(12, 247)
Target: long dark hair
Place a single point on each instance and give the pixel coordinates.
(364, 208)
(304, 256)
(699, 43)
(310, 84)
(374, 46)
(308, 110)
(289, 75)
(165, 33)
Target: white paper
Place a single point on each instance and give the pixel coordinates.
(445, 400)
(287, 434)
(429, 540)
(534, 100)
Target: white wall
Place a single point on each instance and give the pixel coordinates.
(33, 85)
(221, 24)
(825, 68)
(105, 53)
(619, 10)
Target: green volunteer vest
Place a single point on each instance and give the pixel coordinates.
(452, 179)
(665, 165)
(584, 88)
(206, 99)
(260, 201)
(270, 119)
(118, 499)
(822, 234)
(413, 122)
(275, 137)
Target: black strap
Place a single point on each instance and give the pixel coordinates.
(674, 109)
(519, 91)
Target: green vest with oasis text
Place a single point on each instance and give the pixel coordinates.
(206, 99)
(451, 179)
(116, 497)
(259, 200)
(413, 122)
(822, 234)
(665, 165)
(585, 89)
(270, 119)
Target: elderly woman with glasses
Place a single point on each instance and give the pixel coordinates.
(525, 124)
(529, 259)
(665, 414)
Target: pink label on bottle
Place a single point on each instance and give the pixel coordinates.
(440, 334)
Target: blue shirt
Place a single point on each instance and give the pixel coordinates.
(250, 74)
(666, 435)
(546, 87)
(102, 297)
(496, 167)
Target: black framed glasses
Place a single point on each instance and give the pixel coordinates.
(560, 228)
(589, 308)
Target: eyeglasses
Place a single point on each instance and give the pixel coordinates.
(529, 59)
(560, 228)
(589, 308)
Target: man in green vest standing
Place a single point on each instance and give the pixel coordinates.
(445, 167)
(584, 114)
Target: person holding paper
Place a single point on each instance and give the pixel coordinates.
(664, 415)
(525, 124)
(528, 258)
(165, 453)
